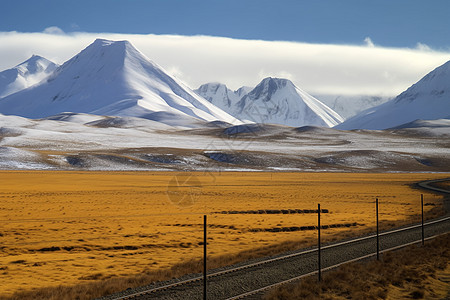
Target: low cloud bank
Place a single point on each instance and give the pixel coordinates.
(366, 69)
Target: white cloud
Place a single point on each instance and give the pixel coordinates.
(423, 47)
(280, 74)
(74, 27)
(53, 30)
(177, 73)
(315, 68)
(368, 42)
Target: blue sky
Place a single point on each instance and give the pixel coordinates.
(390, 23)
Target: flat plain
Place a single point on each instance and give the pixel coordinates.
(68, 227)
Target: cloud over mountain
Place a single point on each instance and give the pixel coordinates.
(317, 68)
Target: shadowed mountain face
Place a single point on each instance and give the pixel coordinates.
(112, 78)
(267, 88)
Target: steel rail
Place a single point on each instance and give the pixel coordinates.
(266, 261)
(423, 184)
(257, 291)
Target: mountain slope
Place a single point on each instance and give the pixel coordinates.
(25, 75)
(113, 78)
(221, 96)
(273, 100)
(428, 99)
(279, 101)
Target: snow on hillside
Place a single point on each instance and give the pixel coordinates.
(125, 143)
(433, 128)
(75, 118)
(220, 95)
(279, 101)
(428, 99)
(113, 78)
(439, 123)
(25, 75)
(273, 100)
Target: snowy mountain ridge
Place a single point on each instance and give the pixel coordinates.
(273, 100)
(24, 75)
(428, 99)
(113, 78)
(220, 95)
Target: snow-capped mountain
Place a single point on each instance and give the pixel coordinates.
(273, 100)
(348, 106)
(113, 78)
(221, 96)
(25, 75)
(242, 91)
(428, 99)
(279, 101)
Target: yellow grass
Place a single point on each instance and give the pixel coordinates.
(70, 227)
(414, 272)
(431, 287)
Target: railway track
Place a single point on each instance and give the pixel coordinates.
(249, 280)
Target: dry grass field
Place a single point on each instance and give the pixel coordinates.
(67, 228)
(415, 272)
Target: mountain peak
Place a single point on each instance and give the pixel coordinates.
(442, 71)
(102, 58)
(280, 82)
(103, 45)
(434, 83)
(218, 94)
(105, 42)
(279, 101)
(269, 86)
(427, 99)
(113, 78)
(36, 64)
(25, 74)
(211, 87)
(34, 58)
(273, 100)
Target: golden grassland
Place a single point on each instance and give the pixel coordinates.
(415, 272)
(68, 228)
